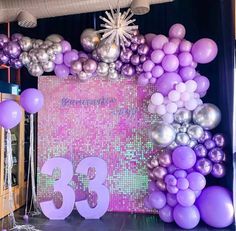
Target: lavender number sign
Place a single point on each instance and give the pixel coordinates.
(68, 195)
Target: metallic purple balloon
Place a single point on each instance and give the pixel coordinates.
(128, 70)
(3, 40)
(143, 49)
(218, 170)
(204, 166)
(216, 155)
(172, 168)
(16, 37)
(154, 162)
(134, 39)
(143, 58)
(161, 185)
(159, 172)
(219, 140)
(165, 159)
(125, 55)
(12, 49)
(127, 43)
(200, 150)
(3, 58)
(139, 69)
(134, 46)
(135, 32)
(209, 144)
(118, 65)
(15, 63)
(207, 135)
(141, 39)
(90, 66)
(65, 46)
(135, 60)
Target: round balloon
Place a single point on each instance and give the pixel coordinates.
(10, 115)
(216, 206)
(32, 100)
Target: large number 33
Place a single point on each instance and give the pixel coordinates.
(68, 196)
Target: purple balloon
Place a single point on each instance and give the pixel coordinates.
(171, 199)
(219, 140)
(185, 46)
(152, 187)
(149, 37)
(177, 31)
(170, 48)
(204, 50)
(204, 166)
(143, 49)
(207, 135)
(218, 170)
(12, 49)
(139, 69)
(186, 197)
(216, 206)
(182, 183)
(172, 189)
(216, 155)
(185, 59)
(16, 37)
(134, 46)
(203, 83)
(157, 56)
(3, 40)
(59, 58)
(11, 114)
(166, 214)
(197, 181)
(187, 73)
(32, 100)
(65, 46)
(118, 65)
(62, 71)
(209, 144)
(125, 55)
(184, 157)
(158, 41)
(135, 60)
(170, 180)
(170, 63)
(147, 203)
(143, 58)
(167, 82)
(180, 174)
(172, 168)
(157, 71)
(3, 58)
(140, 39)
(142, 81)
(15, 63)
(69, 57)
(186, 217)
(200, 150)
(90, 66)
(128, 70)
(157, 200)
(148, 65)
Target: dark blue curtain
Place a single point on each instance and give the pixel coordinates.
(202, 18)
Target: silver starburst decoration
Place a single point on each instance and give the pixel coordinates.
(118, 26)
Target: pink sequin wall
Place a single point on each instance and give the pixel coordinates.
(97, 118)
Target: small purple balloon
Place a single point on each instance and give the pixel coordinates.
(216, 155)
(90, 66)
(157, 56)
(142, 81)
(187, 73)
(166, 214)
(170, 180)
(59, 58)
(69, 57)
(186, 197)
(15, 63)
(197, 181)
(219, 140)
(177, 31)
(118, 65)
(140, 39)
(134, 46)
(65, 46)
(135, 60)
(207, 135)
(172, 189)
(170, 48)
(143, 49)
(185, 46)
(3, 58)
(125, 55)
(204, 166)
(180, 174)
(148, 65)
(12, 49)
(3, 40)
(157, 71)
(32, 100)
(11, 114)
(170, 63)
(171, 199)
(203, 83)
(62, 71)
(128, 70)
(139, 69)
(158, 41)
(16, 37)
(209, 144)
(143, 58)
(147, 203)
(218, 170)
(157, 200)
(160, 172)
(200, 150)
(185, 59)
(182, 183)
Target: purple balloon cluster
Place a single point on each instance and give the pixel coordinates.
(72, 62)
(210, 156)
(10, 50)
(133, 56)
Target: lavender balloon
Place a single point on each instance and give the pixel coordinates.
(128, 70)
(69, 57)
(166, 214)
(62, 71)
(157, 200)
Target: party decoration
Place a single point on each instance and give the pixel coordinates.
(89, 39)
(117, 26)
(215, 205)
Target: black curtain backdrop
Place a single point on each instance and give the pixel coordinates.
(202, 18)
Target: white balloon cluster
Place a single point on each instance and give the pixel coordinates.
(38, 56)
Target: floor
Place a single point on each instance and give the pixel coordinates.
(110, 222)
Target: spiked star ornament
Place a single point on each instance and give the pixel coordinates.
(118, 27)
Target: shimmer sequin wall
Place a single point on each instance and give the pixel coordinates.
(97, 118)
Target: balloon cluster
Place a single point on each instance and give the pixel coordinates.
(10, 50)
(133, 56)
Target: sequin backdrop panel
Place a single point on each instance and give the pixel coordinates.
(97, 118)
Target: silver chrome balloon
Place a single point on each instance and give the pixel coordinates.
(207, 115)
(35, 69)
(102, 69)
(182, 115)
(192, 143)
(25, 43)
(113, 75)
(24, 58)
(108, 53)
(37, 43)
(83, 76)
(89, 39)
(48, 66)
(56, 38)
(50, 51)
(182, 138)
(42, 56)
(57, 48)
(163, 134)
(173, 145)
(195, 131)
(176, 126)
(48, 43)
(76, 66)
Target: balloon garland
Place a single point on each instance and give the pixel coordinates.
(187, 150)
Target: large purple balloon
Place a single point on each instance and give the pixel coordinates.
(11, 114)
(32, 100)
(216, 206)
(167, 82)
(204, 50)
(69, 57)
(157, 200)
(186, 217)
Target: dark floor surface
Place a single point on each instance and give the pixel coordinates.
(109, 222)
